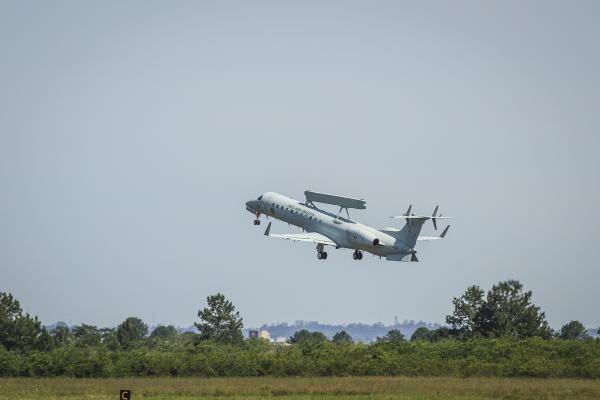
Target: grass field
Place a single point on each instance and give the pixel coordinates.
(374, 388)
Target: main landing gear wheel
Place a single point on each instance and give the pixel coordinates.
(257, 222)
(357, 255)
(321, 255)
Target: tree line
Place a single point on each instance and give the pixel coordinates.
(499, 333)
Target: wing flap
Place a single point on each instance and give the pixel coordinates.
(313, 237)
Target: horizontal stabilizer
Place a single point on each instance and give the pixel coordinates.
(425, 217)
(420, 219)
(398, 257)
(407, 215)
(402, 257)
(442, 235)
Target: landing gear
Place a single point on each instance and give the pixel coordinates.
(257, 220)
(321, 255)
(357, 255)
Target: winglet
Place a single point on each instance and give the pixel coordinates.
(268, 230)
(433, 217)
(442, 235)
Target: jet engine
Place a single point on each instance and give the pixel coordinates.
(361, 238)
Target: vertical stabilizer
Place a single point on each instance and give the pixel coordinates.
(409, 233)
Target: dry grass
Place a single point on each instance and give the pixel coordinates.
(376, 388)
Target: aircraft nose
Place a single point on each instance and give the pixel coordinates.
(250, 204)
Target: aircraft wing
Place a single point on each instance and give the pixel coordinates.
(313, 237)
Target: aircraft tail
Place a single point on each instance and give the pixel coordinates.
(409, 234)
(407, 237)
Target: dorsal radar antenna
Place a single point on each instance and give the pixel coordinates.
(340, 201)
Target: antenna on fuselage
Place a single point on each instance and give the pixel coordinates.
(340, 201)
(339, 212)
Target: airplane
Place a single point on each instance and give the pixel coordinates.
(328, 229)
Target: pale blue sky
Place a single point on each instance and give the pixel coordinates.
(132, 133)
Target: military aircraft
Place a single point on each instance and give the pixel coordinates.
(328, 229)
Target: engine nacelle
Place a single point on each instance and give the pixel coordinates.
(361, 238)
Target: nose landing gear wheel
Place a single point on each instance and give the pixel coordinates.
(257, 222)
(357, 255)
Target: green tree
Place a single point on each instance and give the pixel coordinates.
(219, 321)
(130, 332)
(573, 330)
(87, 335)
(45, 341)
(318, 337)
(508, 311)
(18, 331)
(62, 335)
(422, 334)
(393, 336)
(164, 332)
(108, 337)
(467, 309)
(440, 334)
(305, 336)
(342, 337)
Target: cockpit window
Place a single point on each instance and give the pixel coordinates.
(259, 197)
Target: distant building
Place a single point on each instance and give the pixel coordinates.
(364, 333)
(264, 335)
(252, 334)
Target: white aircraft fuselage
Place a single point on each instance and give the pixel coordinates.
(337, 231)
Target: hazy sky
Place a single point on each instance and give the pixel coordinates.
(132, 133)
